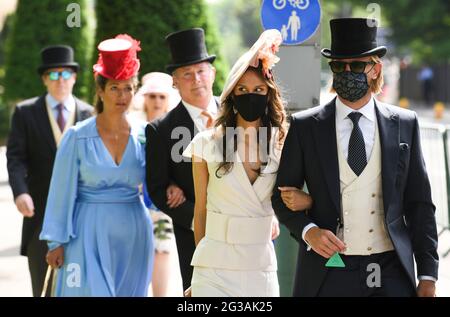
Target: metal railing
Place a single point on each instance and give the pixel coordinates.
(435, 139)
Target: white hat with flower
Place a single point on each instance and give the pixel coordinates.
(262, 51)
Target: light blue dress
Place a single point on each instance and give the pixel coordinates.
(95, 212)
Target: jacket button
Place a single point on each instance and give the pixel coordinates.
(371, 230)
(373, 195)
(372, 212)
(369, 249)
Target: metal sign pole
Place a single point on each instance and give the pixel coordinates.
(298, 74)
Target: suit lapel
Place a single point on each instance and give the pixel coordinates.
(41, 116)
(390, 139)
(324, 133)
(183, 118)
(78, 111)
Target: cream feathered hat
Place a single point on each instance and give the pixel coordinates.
(262, 51)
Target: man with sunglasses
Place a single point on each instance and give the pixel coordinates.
(362, 163)
(36, 129)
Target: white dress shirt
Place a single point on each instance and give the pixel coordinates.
(344, 127)
(69, 106)
(200, 120)
(196, 113)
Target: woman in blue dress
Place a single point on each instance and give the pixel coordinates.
(98, 231)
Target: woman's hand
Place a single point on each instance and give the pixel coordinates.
(175, 196)
(275, 228)
(55, 257)
(295, 199)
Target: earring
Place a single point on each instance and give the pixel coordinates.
(234, 110)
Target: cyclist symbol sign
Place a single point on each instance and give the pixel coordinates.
(297, 20)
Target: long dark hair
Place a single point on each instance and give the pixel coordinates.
(275, 116)
(100, 82)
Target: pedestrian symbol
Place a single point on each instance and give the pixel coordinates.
(297, 20)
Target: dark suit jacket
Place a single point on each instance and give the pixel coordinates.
(162, 170)
(31, 151)
(166, 136)
(310, 155)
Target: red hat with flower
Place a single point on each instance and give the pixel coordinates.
(118, 58)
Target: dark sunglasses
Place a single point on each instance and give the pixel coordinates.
(65, 74)
(356, 66)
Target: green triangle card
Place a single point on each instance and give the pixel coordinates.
(335, 261)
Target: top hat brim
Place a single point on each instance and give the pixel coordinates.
(380, 51)
(44, 67)
(171, 67)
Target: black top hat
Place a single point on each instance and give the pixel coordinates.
(57, 56)
(187, 47)
(353, 37)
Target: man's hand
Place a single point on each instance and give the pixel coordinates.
(55, 257)
(188, 292)
(175, 196)
(295, 199)
(324, 242)
(25, 205)
(426, 288)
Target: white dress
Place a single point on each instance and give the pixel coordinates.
(236, 257)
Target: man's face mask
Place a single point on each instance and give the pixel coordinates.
(350, 86)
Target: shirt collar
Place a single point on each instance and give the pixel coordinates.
(342, 110)
(195, 112)
(69, 102)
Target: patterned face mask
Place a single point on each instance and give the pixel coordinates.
(350, 86)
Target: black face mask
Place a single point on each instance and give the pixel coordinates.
(251, 107)
(350, 86)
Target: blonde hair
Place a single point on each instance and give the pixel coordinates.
(376, 84)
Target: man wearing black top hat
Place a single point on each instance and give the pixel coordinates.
(169, 175)
(36, 129)
(362, 162)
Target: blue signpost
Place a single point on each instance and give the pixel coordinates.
(297, 20)
(299, 74)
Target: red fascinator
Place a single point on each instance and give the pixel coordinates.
(117, 58)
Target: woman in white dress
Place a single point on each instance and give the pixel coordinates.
(234, 169)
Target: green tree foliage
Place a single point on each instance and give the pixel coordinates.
(37, 24)
(150, 21)
(239, 25)
(4, 110)
(420, 27)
